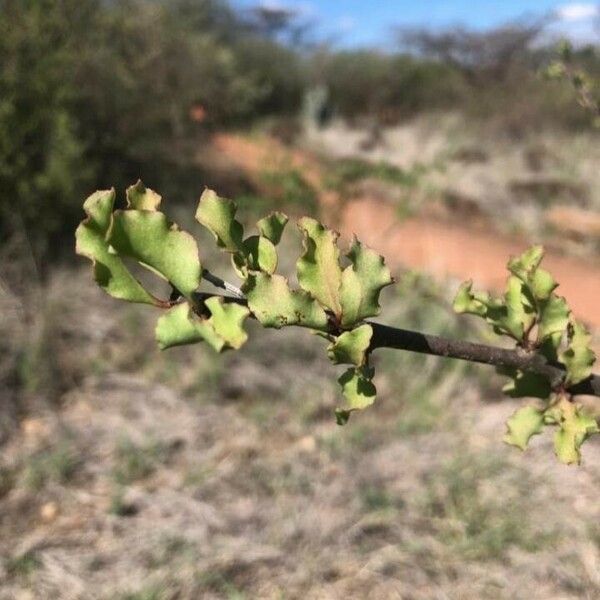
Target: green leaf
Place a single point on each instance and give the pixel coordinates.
(218, 216)
(260, 254)
(272, 226)
(179, 326)
(152, 240)
(526, 268)
(520, 313)
(223, 330)
(526, 384)
(318, 268)
(359, 392)
(139, 197)
(227, 320)
(467, 302)
(275, 305)
(578, 357)
(351, 346)
(575, 428)
(523, 425)
(109, 271)
(553, 319)
(362, 283)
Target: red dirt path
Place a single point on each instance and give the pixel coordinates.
(444, 249)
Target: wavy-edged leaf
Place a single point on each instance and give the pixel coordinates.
(109, 271)
(152, 240)
(218, 216)
(179, 326)
(362, 282)
(468, 302)
(224, 329)
(260, 254)
(139, 197)
(574, 429)
(318, 268)
(272, 226)
(275, 305)
(351, 347)
(523, 425)
(526, 268)
(553, 318)
(520, 313)
(227, 320)
(359, 392)
(578, 357)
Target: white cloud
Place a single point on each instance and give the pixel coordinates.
(578, 11)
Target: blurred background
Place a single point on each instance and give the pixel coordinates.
(429, 130)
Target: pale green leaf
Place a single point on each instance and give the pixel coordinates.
(109, 271)
(152, 240)
(359, 392)
(318, 268)
(139, 197)
(351, 346)
(467, 302)
(523, 425)
(578, 357)
(223, 330)
(260, 254)
(526, 268)
(362, 283)
(218, 216)
(521, 266)
(227, 320)
(275, 305)
(553, 318)
(272, 226)
(575, 427)
(179, 326)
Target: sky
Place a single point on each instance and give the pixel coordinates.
(358, 23)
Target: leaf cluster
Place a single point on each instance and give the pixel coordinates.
(331, 301)
(539, 322)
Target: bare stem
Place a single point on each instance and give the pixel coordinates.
(385, 336)
(221, 283)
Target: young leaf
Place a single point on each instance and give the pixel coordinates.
(139, 197)
(151, 239)
(358, 390)
(578, 357)
(523, 425)
(526, 268)
(223, 330)
(275, 305)
(575, 428)
(227, 320)
(553, 319)
(218, 216)
(272, 226)
(468, 302)
(109, 271)
(318, 268)
(260, 254)
(179, 326)
(351, 346)
(362, 283)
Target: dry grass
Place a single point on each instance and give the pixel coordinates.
(126, 473)
(179, 475)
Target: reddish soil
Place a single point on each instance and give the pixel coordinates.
(442, 248)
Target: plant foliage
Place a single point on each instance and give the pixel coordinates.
(334, 299)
